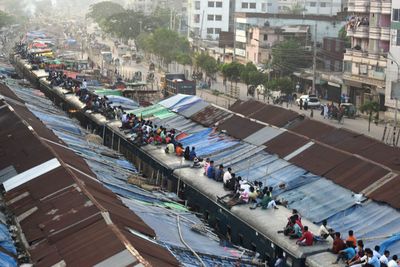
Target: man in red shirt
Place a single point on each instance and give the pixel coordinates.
(338, 244)
(306, 239)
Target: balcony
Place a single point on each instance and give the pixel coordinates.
(386, 7)
(361, 32)
(361, 6)
(375, 33)
(385, 34)
(376, 6)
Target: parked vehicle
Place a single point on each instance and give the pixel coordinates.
(312, 101)
(350, 110)
(172, 84)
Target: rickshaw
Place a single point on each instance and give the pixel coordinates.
(350, 110)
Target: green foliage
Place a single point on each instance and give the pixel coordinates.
(166, 44)
(101, 12)
(296, 9)
(126, 24)
(289, 56)
(184, 59)
(343, 36)
(207, 63)
(371, 108)
(246, 73)
(257, 78)
(232, 70)
(283, 84)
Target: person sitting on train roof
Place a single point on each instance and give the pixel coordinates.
(179, 150)
(219, 173)
(294, 231)
(393, 262)
(196, 163)
(186, 154)
(170, 149)
(192, 153)
(384, 259)
(227, 176)
(376, 251)
(338, 244)
(352, 238)
(325, 231)
(346, 254)
(267, 202)
(242, 199)
(211, 170)
(306, 239)
(206, 165)
(360, 254)
(372, 260)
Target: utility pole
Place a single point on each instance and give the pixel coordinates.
(234, 38)
(315, 59)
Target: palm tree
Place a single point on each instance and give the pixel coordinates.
(371, 108)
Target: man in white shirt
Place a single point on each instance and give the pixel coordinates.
(227, 176)
(393, 262)
(376, 252)
(385, 257)
(324, 231)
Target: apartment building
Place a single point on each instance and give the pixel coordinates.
(256, 6)
(207, 18)
(366, 61)
(393, 62)
(148, 6)
(315, 7)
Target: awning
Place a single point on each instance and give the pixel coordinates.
(334, 84)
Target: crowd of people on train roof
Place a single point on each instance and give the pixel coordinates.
(93, 102)
(349, 251)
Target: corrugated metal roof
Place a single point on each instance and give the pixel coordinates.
(210, 116)
(356, 174)
(311, 128)
(383, 154)
(62, 211)
(388, 193)
(239, 127)
(284, 144)
(277, 116)
(319, 159)
(264, 135)
(193, 109)
(247, 108)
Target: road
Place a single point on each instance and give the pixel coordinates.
(359, 124)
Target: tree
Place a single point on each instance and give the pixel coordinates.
(371, 108)
(296, 9)
(283, 84)
(232, 71)
(343, 36)
(289, 56)
(127, 24)
(207, 63)
(245, 73)
(103, 10)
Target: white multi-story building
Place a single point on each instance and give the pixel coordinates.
(314, 7)
(148, 6)
(393, 63)
(256, 6)
(365, 63)
(207, 18)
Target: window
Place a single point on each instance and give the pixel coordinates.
(265, 37)
(398, 38)
(218, 4)
(253, 5)
(245, 5)
(210, 4)
(210, 17)
(218, 17)
(396, 14)
(313, 4)
(322, 4)
(347, 66)
(196, 18)
(197, 5)
(217, 30)
(210, 30)
(264, 7)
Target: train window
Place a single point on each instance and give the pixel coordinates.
(241, 240)
(253, 247)
(206, 214)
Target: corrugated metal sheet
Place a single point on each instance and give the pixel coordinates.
(311, 128)
(388, 193)
(285, 144)
(356, 174)
(319, 159)
(383, 154)
(264, 135)
(247, 108)
(61, 210)
(210, 116)
(193, 109)
(276, 116)
(239, 127)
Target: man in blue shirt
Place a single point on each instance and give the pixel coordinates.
(346, 254)
(211, 170)
(372, 259)
(192, 154)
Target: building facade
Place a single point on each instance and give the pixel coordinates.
(311, 7)
(207, 18)
(365, 62)
(256, 6)
(393, 61)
